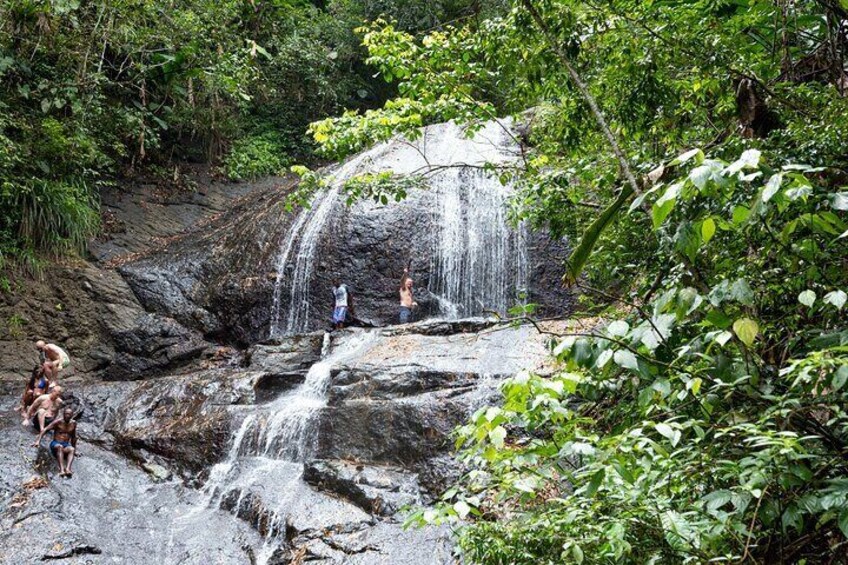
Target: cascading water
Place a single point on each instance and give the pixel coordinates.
(477, 261)
(270, 446)
(283, 258)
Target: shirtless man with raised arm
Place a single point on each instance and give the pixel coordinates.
(407, 300)
(64, 444)
(45, 406)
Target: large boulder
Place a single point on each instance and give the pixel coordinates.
(378, 490)
(219, 279)
(184, 420)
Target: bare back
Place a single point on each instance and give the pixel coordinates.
(48, 404)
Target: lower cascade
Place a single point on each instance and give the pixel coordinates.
(368, 424)
(268, 450)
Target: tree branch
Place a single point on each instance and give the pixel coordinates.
(623, 163)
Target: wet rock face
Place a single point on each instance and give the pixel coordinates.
(382, 443)
(222, 286)
(218, 281)
(181, 419)
(381, 491)
(293, 353)
(110, 511)
(152, 344)
(398, 402)
(453, 234)
(403, 432)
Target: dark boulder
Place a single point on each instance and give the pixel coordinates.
(151, 345)
(286, 354)
(402, 432)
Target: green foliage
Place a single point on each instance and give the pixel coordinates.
(15, 326)
(706, 421)
(255, 156)
(380, 187)
(708, 424)
(91, 91)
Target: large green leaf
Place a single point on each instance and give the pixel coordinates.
(577, 259)
(746, 330)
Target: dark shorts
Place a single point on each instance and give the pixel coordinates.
(54, 445)
(405, 315)
(47, 421)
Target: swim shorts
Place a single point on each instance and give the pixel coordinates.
(56, 444)
(339, 314)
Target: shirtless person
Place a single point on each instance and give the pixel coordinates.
(64, 444)
(407, 301)
(54, 358)
(44, 407)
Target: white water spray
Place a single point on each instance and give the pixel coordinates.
(478, 262)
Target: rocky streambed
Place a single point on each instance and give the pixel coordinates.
(303, 449)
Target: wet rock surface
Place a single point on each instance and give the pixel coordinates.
(220, 281)
(88, 308)
(167, 329)
(287, 354)
(381, 443)
(182, 419)
(382, 491)
(110, 511)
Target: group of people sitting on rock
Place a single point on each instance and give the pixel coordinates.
(41, 403)
(344, 312)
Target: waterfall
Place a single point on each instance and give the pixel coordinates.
(283, 259)
(478, 261)
(299, 304)
(274, 440)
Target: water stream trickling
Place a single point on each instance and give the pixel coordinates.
(274, 440)
(477, 261)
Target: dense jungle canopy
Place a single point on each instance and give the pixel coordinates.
(694, 153)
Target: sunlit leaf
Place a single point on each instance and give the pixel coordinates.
(746, 330)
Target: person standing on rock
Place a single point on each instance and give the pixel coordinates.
(343, 304)
(53, 358)
(44, 407)
(407, 300)
(64, 444)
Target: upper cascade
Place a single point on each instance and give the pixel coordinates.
(466, 257)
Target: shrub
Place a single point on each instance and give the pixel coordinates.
(256, 155)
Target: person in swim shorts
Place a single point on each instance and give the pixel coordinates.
(64, 443)
(407, 299)
(343, 304)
